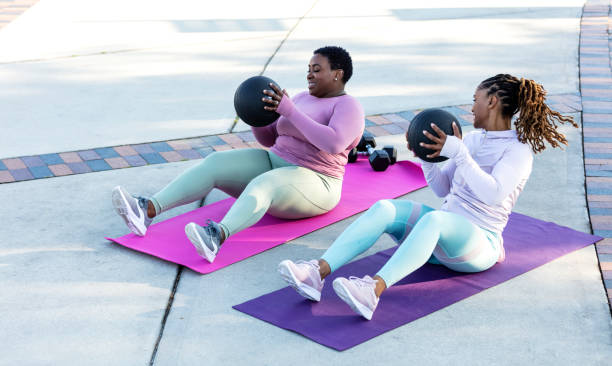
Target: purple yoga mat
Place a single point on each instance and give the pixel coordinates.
(529, 243)
(361, 188)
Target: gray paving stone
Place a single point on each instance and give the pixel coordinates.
(69, 295)
(154, 73)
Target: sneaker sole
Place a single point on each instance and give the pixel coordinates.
(346, 296)
(308, 292)
(198, 242)
(122, 208)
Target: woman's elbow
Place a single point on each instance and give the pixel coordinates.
(266, 143)
(265, 139)
(440, 192)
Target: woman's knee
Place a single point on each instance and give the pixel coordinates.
(257, 187)
(217, 158)
(383, 207)
(238, 157)
(263, 188)
(435, 217)
(274, 182)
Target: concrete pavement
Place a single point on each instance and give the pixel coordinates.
(91, 75)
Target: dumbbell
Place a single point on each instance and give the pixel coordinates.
(379, 159)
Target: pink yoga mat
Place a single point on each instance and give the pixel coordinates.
(362, 187)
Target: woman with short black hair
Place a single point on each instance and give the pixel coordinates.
(299, 176)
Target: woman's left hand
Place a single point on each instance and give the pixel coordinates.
(274, 97)
(438, 140)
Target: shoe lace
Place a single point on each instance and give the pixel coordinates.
(142, 202)
(367, 281)
(308, 263)
(211, 228)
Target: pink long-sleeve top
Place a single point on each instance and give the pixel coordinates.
(315, 133)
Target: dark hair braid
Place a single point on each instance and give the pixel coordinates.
(536, 121)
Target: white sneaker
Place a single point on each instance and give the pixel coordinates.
(132, 210)
(303, 276)
(206, 239)
(358, 293)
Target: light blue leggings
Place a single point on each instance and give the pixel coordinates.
(424, 233)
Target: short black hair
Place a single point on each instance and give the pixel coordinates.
(338, 58)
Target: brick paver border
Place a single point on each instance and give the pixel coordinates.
(11, 9)
(596, 94)
(160, 152)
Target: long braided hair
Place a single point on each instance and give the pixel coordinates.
(536, 121)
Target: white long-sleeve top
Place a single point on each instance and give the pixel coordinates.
(483, 177)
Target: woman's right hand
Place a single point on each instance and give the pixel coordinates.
(274, 97)
(440, 140)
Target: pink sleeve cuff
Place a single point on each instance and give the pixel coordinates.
(285, 107)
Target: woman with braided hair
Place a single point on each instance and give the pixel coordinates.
(486, 171)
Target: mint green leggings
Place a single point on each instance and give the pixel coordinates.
(423, 235)
(261, 181)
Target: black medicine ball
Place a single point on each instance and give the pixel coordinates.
(248, 103)
(423, 121)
